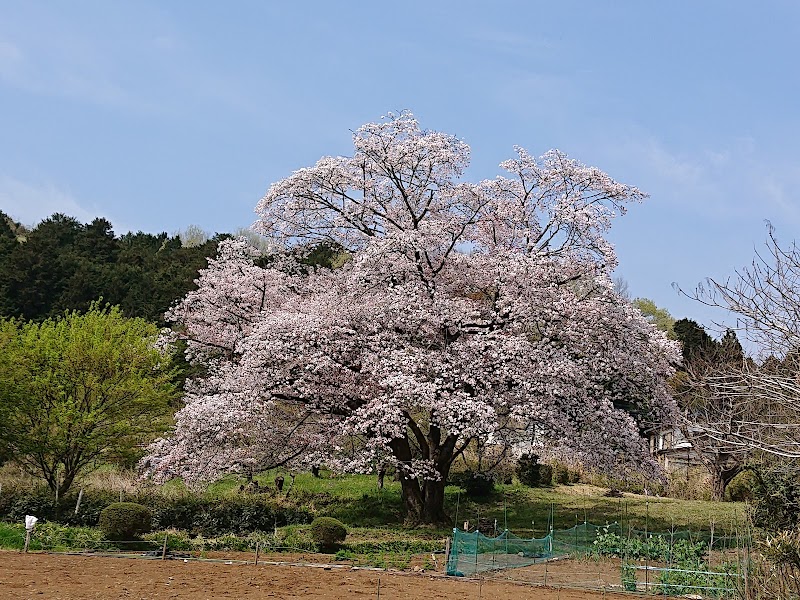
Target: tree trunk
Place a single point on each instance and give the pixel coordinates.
(424, 498)
(433, 508)
(424, 503)
(720, 478)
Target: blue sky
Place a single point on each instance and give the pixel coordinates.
(162, 115)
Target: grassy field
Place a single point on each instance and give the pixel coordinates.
(375, 517)
(357, 501)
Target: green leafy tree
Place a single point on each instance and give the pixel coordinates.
(694, 340)
(43, 267)
(79, 390)
(659, 317)
(63, 265)
(8, 241)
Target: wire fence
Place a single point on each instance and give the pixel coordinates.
(231, 549)
(607, 557)
(588, 556)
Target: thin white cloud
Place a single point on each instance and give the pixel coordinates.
(56, 69)
(679, 169)
(29, 203)
(733, 181)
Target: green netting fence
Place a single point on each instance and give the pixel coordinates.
(473, 552)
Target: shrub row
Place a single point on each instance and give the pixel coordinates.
(394, 546)
(532, 473)
(193, 513)
(293, 537)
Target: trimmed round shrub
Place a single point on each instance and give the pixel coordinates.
(328, 532)
(125, 520)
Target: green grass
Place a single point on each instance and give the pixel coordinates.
(376, 534)
(374, 515)
(526, 511)
(356, 501)
(353, 499)
(50, 536)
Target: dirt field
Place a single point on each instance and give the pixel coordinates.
(62, 577)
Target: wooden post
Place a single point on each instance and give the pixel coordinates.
(258, 546)
(446, 554)
(164, 549)
(27, 539)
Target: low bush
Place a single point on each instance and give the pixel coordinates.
(545, 475)
(694, 485)
(560, 474)
(777, 497)
(528, 470)
(51, 536)
(743, 487)
(563, 474)
(125, 520)
(235, 514)
(328, 533)
(689, 581)
(475, 485)
(293, 537)
(296, 537)
(394, 546)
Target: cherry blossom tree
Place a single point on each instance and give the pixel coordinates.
(465, 312)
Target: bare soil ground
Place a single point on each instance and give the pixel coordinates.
(73, 577)
(585, 573)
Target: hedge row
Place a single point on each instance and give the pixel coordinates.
(195, 514)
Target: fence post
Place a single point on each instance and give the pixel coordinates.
(258, 547)
(447, 553)
(545, 571)
(164, 549)
(477, 533)
(646, 547)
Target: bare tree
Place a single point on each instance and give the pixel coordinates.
(712, 420)
(763, 412)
